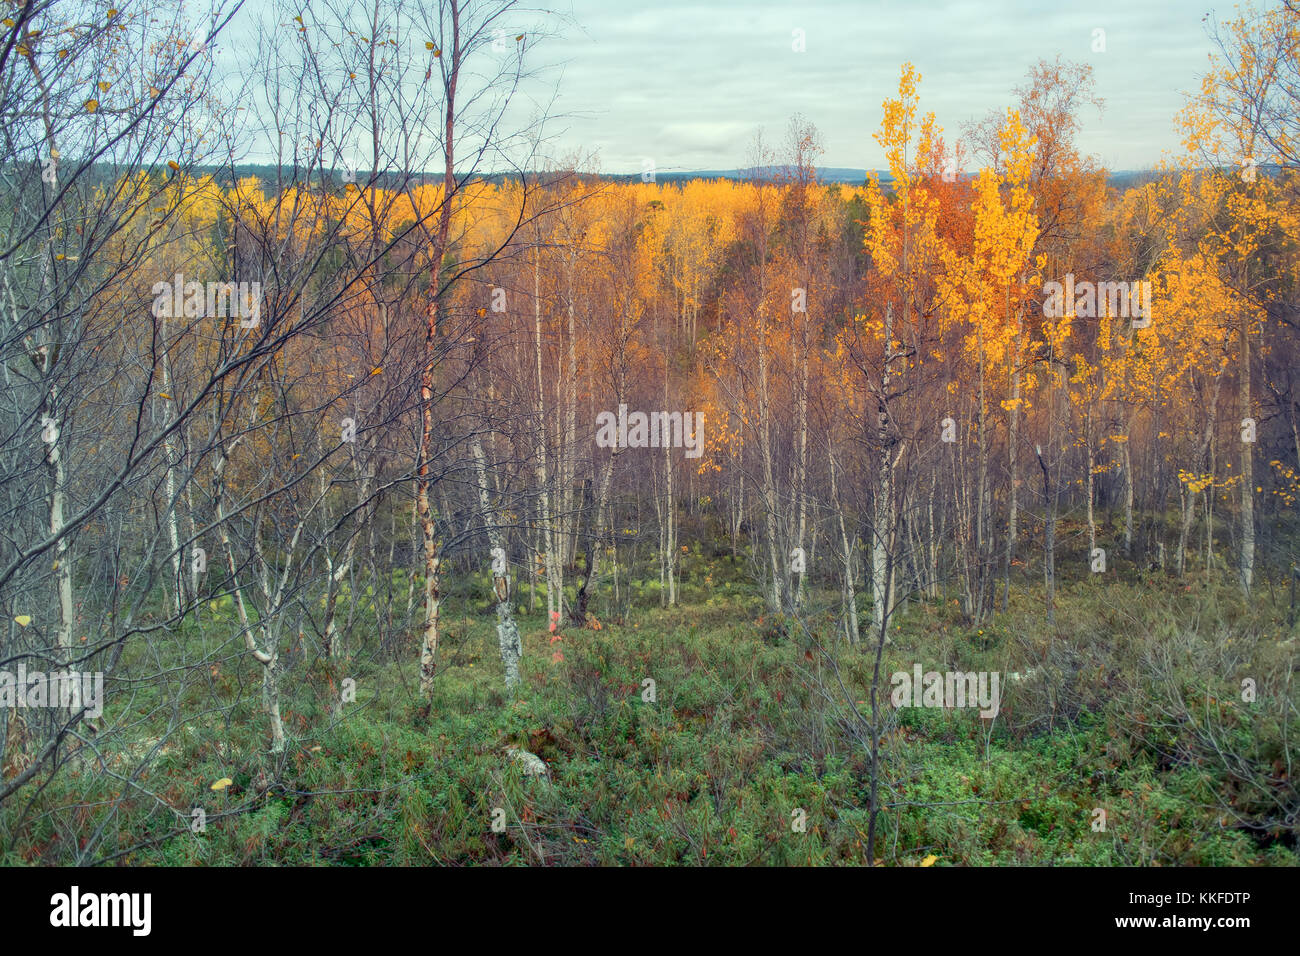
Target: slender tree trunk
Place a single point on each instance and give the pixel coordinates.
(52, 436)
(595, 539)
(1128, 494)
(850, 591)
(933, 550)
(1013, 445)
(883, 518)
(568, 449)
(774, 537)
(267, 657)
(1187, 502)
(554, 581)
(432, 558)
(1247, 466)
(62, 558)
(873, 800)
(173, 460)
(801, 468)
(1049, 541)
(983, 532)
(1090, 484)
(508, 639)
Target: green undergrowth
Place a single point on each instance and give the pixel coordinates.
(747, 748)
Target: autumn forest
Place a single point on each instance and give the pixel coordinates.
(412, 494)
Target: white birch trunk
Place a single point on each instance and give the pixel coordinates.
(508, 639)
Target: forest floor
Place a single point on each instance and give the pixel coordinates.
(747, 748)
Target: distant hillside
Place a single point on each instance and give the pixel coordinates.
(267, 173)
(1119, 178)
(826, 174)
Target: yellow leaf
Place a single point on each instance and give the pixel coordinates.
(376, 371)
(518, 38)
(92, 105)
(164, 395)
(104, 86)
(23, 620)
(221, 784)
(173, 165)
(7, 22)
(929, 860)
(428, 45)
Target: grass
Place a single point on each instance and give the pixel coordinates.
(1133, 708)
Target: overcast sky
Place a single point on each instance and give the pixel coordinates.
(686, 84)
